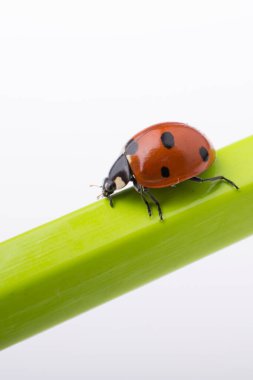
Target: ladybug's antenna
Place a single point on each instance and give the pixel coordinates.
(100, 195)
(96, 186)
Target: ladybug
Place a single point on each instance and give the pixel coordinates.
(161, 156)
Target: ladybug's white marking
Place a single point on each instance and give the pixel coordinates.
(129, 158)
(119, 183)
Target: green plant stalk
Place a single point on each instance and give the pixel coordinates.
(79, 261)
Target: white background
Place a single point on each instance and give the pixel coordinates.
(77, 80)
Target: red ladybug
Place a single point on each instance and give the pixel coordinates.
(161, 156)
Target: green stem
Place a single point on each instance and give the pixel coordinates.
(67, 266)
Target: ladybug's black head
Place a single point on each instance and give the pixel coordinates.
(108, 188)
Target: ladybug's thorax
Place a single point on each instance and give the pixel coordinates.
(119, 176)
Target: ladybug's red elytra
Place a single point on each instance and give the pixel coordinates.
(161, 156)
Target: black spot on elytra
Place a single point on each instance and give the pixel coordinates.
(203, 153)
(165, 172)
(168, 140)
(131, 147)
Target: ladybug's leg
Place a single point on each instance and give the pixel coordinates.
(146, 191)
(110, 200)
(218, 178)
(147, 204)
(139, 190)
